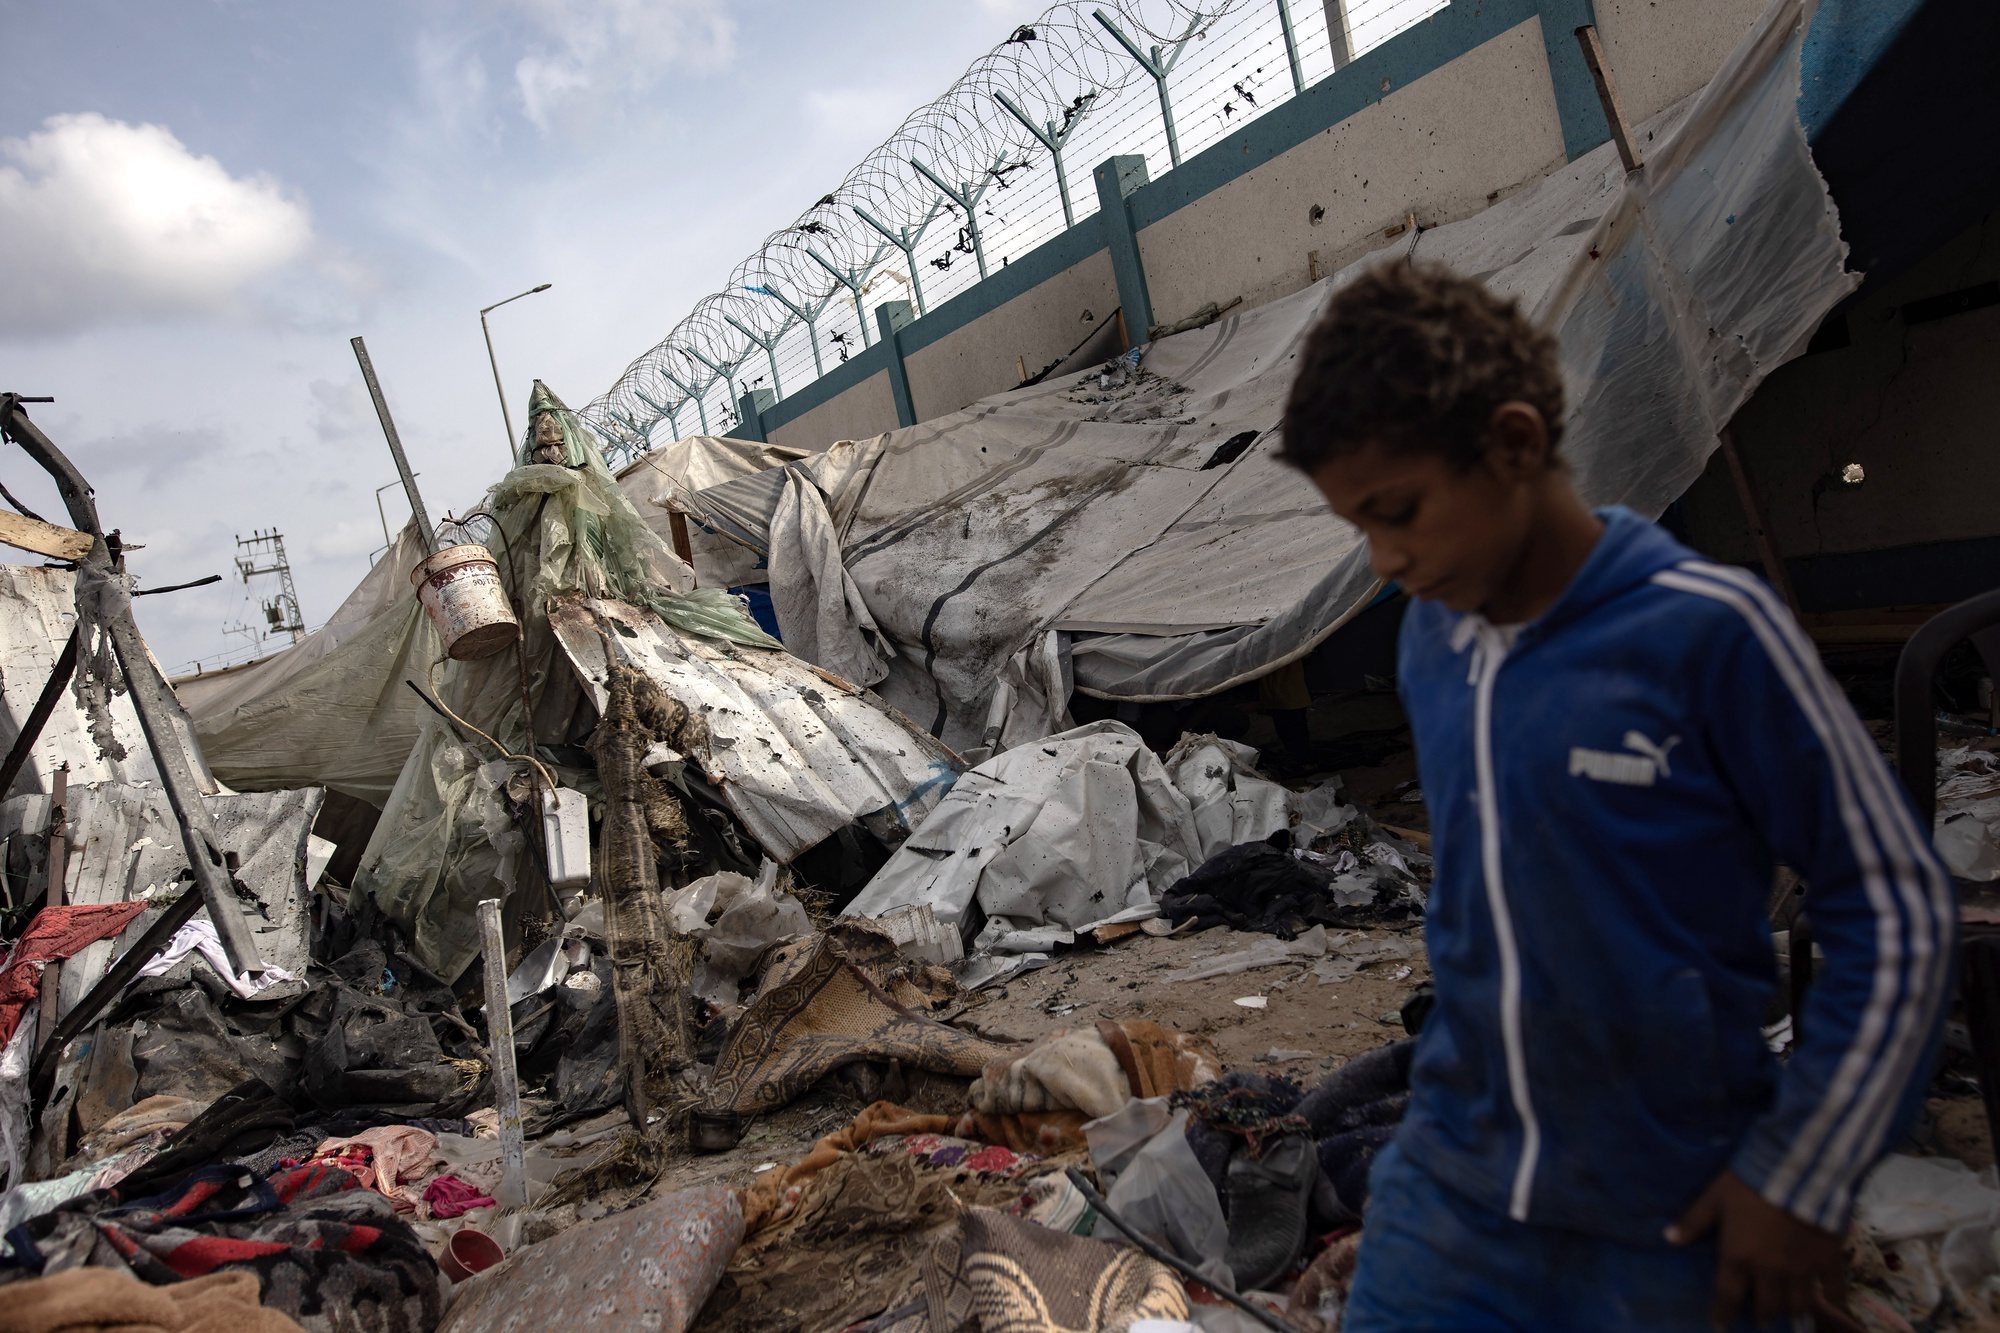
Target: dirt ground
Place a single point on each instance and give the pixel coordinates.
(1305, 1029)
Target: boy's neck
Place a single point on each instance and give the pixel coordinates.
(1560, 539)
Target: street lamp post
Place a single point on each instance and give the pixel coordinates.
(505, 415)
(387, 540)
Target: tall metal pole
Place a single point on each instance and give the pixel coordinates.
(513, 441)
(424, 528)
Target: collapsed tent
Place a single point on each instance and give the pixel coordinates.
(664, 483)
(1132, 528)
(372, 706)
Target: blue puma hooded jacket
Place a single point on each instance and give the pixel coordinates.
(1611, 787)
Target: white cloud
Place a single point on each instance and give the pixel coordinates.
(108, 222)
(601, 50)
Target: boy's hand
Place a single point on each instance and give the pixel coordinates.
(1770, 1260)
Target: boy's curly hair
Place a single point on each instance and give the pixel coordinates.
(1416, 357)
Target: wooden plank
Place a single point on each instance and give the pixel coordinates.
(31, 534)
(677, 523)
(1607, 97)
(1760, 529)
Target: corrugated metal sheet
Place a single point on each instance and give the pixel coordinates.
(125, 845)
(37, 611)
(796, 753)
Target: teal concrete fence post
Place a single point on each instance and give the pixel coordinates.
(891, 318)
(1577, 107)
(1117, 177)
(750, 410)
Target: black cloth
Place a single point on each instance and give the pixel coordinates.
(241, 1123)
(1369, 1089)
(376, 1036)
(1263, 887)
(1351, 1115)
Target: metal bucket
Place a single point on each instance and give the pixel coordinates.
(461, 592)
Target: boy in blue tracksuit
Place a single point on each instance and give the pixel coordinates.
(1618, 742)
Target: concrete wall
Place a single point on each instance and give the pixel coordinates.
(1662, 50)
(1914, 404)
(1474, 102)
(1437, 147)
(863, 411)
(979, 359)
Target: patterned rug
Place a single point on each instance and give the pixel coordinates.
(998, 1274)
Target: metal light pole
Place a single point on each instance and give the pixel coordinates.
(387, 540)
(505, 415)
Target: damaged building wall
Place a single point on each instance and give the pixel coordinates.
(1438, 148)
(866, 409)
(1473, 103)
(1900, 382)
(1663, 52)
(978, 359)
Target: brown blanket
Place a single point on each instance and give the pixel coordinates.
(104, 1298)
(823, 1016)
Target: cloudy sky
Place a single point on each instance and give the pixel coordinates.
(201, 201)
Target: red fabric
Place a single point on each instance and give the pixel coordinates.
(448, 1196)
(205, 1254)
(56, 933)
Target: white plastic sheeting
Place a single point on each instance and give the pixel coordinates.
(796, 755)
(1232, 805)
(1151, 526)
(1070, 831)
(1084, 828)
(667, 480)
(821, 614)
(37, 613)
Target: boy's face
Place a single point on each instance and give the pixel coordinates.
(1445, 533)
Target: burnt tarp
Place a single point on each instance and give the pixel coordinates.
(791, 755)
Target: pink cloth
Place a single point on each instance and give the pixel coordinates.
(448, 1196)
(398, 1156)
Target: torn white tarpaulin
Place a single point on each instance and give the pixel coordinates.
(666, 481)
(1153, 526)
(821, 616)
(797, 756)
(1084, 829)
(198, 937)
(1232, 804)
(1066, 832)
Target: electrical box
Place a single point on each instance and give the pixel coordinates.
(566, 835)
